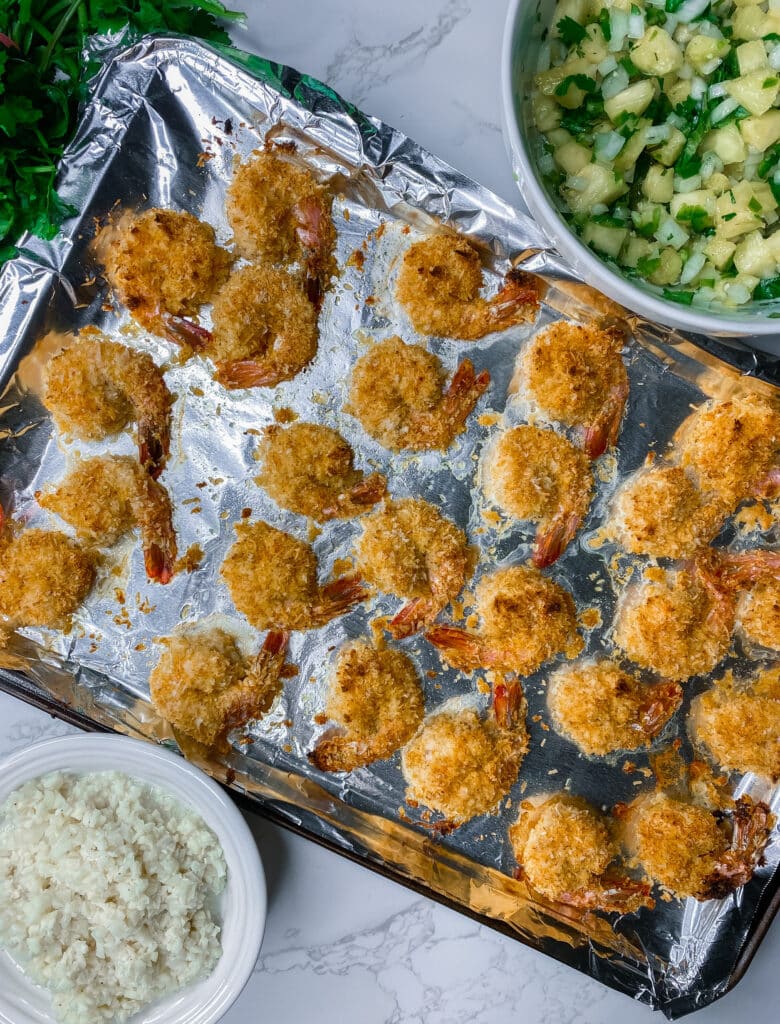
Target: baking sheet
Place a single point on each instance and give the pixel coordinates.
(165, 123)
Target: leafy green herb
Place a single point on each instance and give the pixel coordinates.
(754, 205)
(604, 24)
(655, 16)
(570, 31)
(771, 37)
(684, 298)
(696, 216)
(769, 83)
(697, 124)
(728, 216)
(769, 288)
(42, 77)
(608, 220)
(583, 82)
(672, 6)
(647, 228)
(647, 265)
(775, 187)
(582, 119)
(771, 157)
(630, 66)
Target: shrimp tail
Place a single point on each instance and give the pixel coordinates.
(310, 216)
(336, 752)
(412, 616)
(181, 331)
(516, 301)
(153, 446)
(267, 669)
(460, 648)
(155, 517)
(603, 433)
(551, 543)
(749, 567)
(508, 704)
(463, 393)
(662, 701)
(613, 894)
(363, 495)
(752, 823)
(337, 597)
(249, 373)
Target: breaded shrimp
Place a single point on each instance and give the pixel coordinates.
(164, 263)
(526, 619)
(461, 764)
(758, 614)
(204, 687)
(95, 388)
(575, 374)
(660, 512)
(732, 448)
(601, 708)
(439, 286)
(409, 549)
(105, 497)
(280, 214)
(272, 578)
(539, 475)
(309, 469)
(738, 723)
(377, 704)
(44, 577)
(398, 393)
(691, 850)
(566, 852)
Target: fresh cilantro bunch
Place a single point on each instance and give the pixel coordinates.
(42, 77)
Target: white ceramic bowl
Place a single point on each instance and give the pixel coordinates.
(243, 903)
(524, 23)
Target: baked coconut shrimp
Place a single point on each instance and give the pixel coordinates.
(309, 469)
(539, 475)
(601, 708)
(526, 620)
(272, 578)
(732, 448)
(575, 375)
(204, 686)
(106, 497)
(738, 724)
(660, 512)
(693, 850)
(399, 394)
(409, 549)
(566, 851)
(461, 764)
(376, 704)
(758, 614)
(163, 265)
(280, 214)
(44, 577)
(95, 388)
(439, 286)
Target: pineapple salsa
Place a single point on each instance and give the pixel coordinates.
(660, 125)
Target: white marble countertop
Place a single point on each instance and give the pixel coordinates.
(343, 945)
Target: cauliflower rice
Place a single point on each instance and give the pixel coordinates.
(108, 892)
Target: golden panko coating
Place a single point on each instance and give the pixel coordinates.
(733, 447)
(95, 388)
(398, 393)
(164, 261)
(660, 512)
(439, 285)
(203, 686)
(377, 704)
(602, 709)
(272, 578)
(537, 474)
(265, 329)
(576, 375)
(44, 577)
(460, 764)
(739, 724)
(758, 614)
(309, 469)
(676, 626)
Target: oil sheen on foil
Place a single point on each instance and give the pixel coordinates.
(166, 122)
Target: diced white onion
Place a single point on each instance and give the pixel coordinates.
(636, 26)
(669, 232)
(706, 28)
(628, 176)
(607, 145)
(703, 296)
(608, 64)
(691, 9)
(717, 91)
(693, 265)
(711, 163)
(686, 72)
(675, 121)
(698, 88)
(598, 208)
(657, 133)
(737, 292)
(774, 57)
(711, 65)
(750, 166)
(577, 182)
(618, 23)
(685, 185)
(671, 22)
(615, 83)
(723, 109)
(546, 163)
(774, 5)
(543, 60)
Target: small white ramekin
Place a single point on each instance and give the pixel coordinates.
(518, 62)
(243, 903)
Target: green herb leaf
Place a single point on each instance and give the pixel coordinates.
(684, 298)
(696, 216)
(604, 23)
(583, 82)
(672, 6)
(570, 31)
(769, 288)
(647, 265)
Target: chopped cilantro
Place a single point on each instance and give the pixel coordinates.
(672, 6)
(771, 37)
(629, 66)
(583, 118)
(570, 31)
(608, 220)
(775, 187)
(754, 205)
(769, 288)
(582, 82)
(655, 16)
(647, 265)
(769, 83)
(604, 24)
(696, 216)
(647, 228)
(769, 162)
(728, 216)
(684, 298)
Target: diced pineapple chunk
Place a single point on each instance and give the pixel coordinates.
(604, 238)
(719, 251)
(751, 57)
(756, 92)
(577, 10)
(633, 100)
(761, 191)
(602, 185)
(726, 142)
(633, 148)
(774, 245)
(671, 149)
(658, 185)
(547, 82)
(717, 182)
(558, 136)
(547, 113)
(703, 49)
(656, 53)
(735, 217)
(677, 89)
(669, 268)
(700, 198)
(761, 132)
(753, 256)
(636, 249)
(594, 46)
(750, 22)
(571, 157)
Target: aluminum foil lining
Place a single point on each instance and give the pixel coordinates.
(166, 121)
